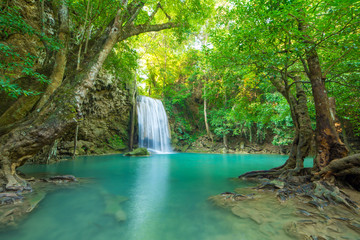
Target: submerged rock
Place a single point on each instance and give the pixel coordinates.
(138, 152)
(35, 199)
(14, 206)
(113, 206)
(60, 179)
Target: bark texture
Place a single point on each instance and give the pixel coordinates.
(58, 72)
(328, 144)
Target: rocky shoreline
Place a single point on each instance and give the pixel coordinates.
(316, 210)
(16, 205)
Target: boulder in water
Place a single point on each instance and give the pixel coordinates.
(138, 152)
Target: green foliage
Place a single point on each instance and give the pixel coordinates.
(122, 62)
(116, 143)
(182, 129)
(13, 63)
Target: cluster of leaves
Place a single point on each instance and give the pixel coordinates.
(122, 62)
(13, 63)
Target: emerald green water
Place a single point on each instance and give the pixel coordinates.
(166, 199)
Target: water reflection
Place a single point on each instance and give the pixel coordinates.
(148, 197)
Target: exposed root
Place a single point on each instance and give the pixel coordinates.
(271, 174)
(346, 169)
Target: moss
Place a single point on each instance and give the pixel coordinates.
(138, 152)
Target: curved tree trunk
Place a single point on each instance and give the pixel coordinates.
(57, 74)
(55, 117)
(303, 132)
(25, 104)
(300, 115)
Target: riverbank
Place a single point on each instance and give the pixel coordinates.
(15, 206)
(204, 145)
(311, 213)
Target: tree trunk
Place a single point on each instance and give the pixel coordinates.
(300, 115)
(303, 132)
(133, 114)
(87, 26)
(328, 144)
(25, 104)
(205, 116)
(57, 74)
(224, 123)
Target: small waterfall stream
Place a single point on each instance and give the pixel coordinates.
(153, 125)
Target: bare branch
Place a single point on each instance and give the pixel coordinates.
(305, 66)
(136, 30)
(136, 13)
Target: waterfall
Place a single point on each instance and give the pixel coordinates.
(154, 131)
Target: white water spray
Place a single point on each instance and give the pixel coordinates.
(154, 131)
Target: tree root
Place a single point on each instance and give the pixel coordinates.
(13, 181)
(270, 174)
(345, 169)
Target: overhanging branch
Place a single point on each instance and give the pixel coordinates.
(143, 28)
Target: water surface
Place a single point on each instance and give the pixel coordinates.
(157, 197)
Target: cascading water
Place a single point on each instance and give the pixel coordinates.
(153, 125)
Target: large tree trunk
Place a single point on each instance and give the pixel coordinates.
(328, 144)
(25, 104)
(300, 115)
(57, 74)
(57, 115)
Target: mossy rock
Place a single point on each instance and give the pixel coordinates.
(138, 152)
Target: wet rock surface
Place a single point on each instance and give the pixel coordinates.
(15, 205)
(138, 152)
(316, 210)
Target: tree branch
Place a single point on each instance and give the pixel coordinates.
(165, 13)
(136, 30)
(305, 66)
(154, 12)
(138, 7)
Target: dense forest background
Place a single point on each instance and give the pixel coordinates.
(218, 83)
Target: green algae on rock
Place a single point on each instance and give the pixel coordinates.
(138, 152)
